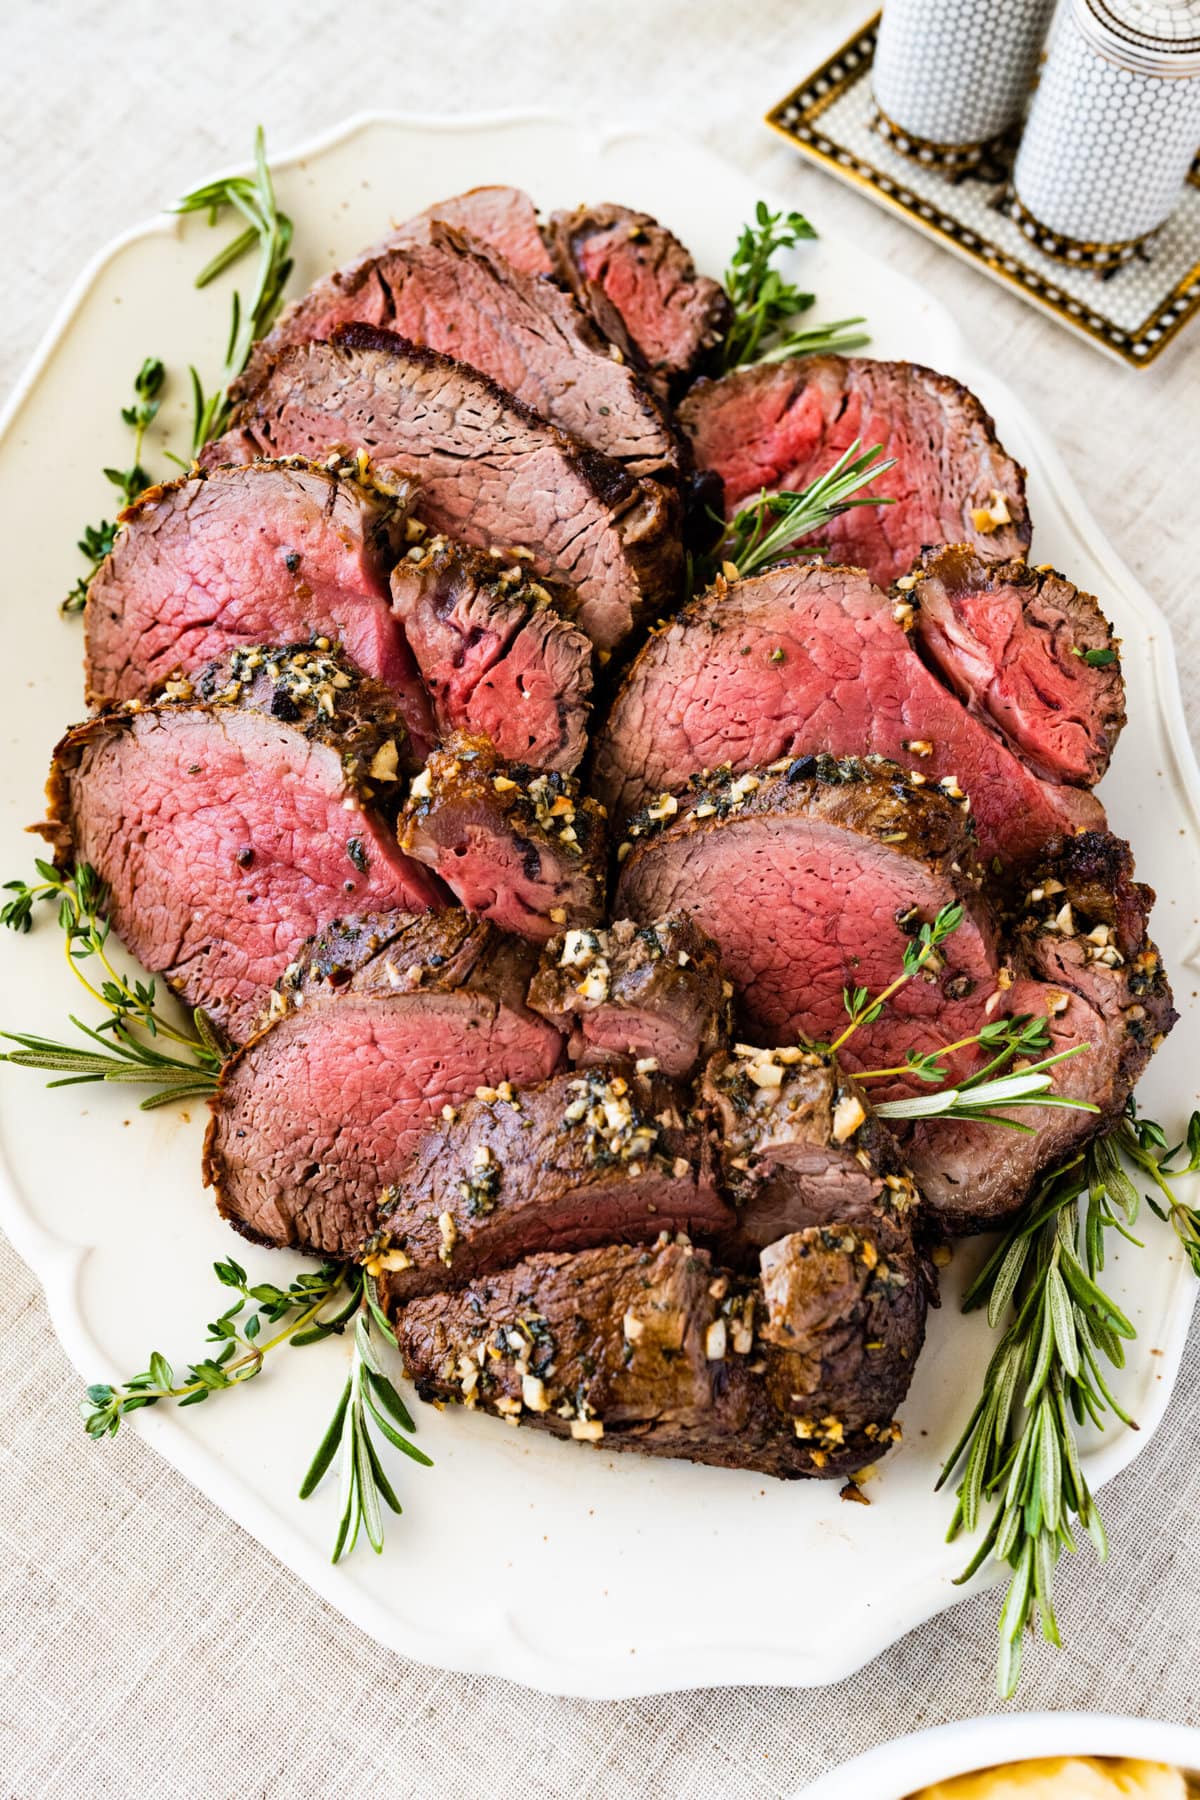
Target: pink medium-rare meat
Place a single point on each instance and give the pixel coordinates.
(496, 654)
(1026, 652)
(379, 1024)
(457, 295)
(807, 659)
(780, 425)
(492, 473)
(231, 823)
(503, 217)
(518, 846)
(813, 878)
(273, 553)
(641, 285)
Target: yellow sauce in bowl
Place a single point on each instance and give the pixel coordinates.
(1064, 1778)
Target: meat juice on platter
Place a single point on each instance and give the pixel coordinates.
(586, 891)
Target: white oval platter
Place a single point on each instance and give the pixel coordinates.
(559, 1566)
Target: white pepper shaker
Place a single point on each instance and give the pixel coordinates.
(951, 76)
(1113, 128)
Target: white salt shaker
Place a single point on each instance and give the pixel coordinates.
(1113, 128)
(950, 76)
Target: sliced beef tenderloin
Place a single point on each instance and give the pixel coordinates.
(656, 1350)
(780, 425)
(1026, 652)
(802, 659)
(519, 846)
(650, 994)
(378, 1025)
(273, 553)
(799, 1145)
(812, 878)
(591, 1158)
(492, 472)
(232, 821)
(503, 217)
(458, 295)
(637, 278)
(496, 651)
(1080, 958)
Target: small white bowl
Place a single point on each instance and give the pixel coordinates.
(893, 1771)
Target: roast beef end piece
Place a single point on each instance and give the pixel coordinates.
(625, 263)
(491, 470)
(226, 833)
(276, 553)
(379, 1023)
(812, 877)
(591, 1158)
(799, 1145)
(497, 651)
(812, 658)
(1027, 652)
(519, 846)
(780, 425)
(660, 1351)
(652, 994)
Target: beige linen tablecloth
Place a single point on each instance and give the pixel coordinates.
(151, 1648)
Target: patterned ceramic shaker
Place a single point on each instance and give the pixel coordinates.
(950, 76)
(1113, 128)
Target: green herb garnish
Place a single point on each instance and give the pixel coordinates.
(764, 304)
(97, 540)
(133, 1033)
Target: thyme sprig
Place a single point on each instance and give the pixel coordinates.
(921, 952)
(133, 1032)
(764, 304)
(368, 1403)
(319, 1303)
(97, 540)
(771, 526)
(268, 229)
(1019, 1451)
(1143, 1143)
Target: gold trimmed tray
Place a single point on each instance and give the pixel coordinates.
(1133, 312)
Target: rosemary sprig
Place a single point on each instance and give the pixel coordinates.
(132, 1033)
(765, 531)
(1027, 1087)
(318, 1303)
(97, 540)
(368, 1402)
(253, 196)
(1019, 1451)
(764, 303)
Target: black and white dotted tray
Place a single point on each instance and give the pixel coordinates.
(1132, 312)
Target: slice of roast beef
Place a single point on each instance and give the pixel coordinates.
(590, 1158)
(780, 425)
(1080, 958)
(630, 271)
(497, 655)
(795, 1374)
(491, 471)
(275, 553)
(518, 846)
(812, 878)
(503, 217)
(650, 994)
(799, 1145)
(1026, 652)
(379, 1024)
(458, 295)
(805, 659)
(232, 821)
